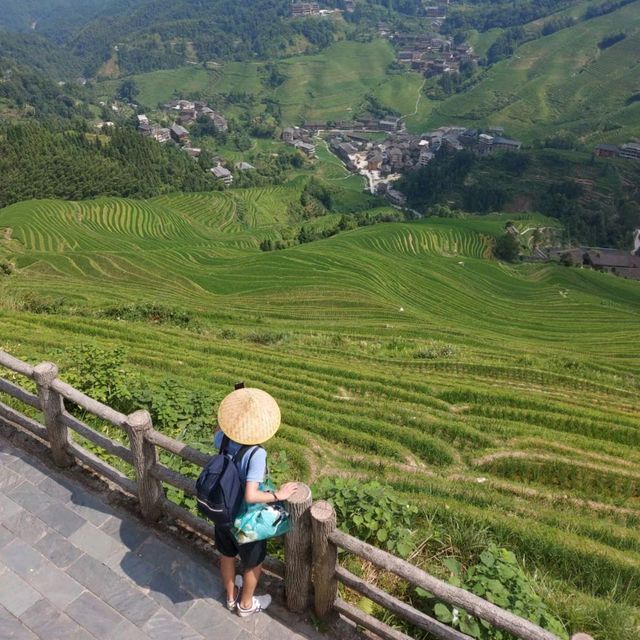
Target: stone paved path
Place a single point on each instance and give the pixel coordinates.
(73, 567)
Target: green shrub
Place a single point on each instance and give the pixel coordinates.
(498, 578)
(371, 512)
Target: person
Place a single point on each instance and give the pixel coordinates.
(247, 417)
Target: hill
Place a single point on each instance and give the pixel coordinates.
(562, 81)
(502, 397)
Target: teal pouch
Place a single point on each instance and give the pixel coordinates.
(261, 521)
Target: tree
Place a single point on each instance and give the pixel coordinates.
(507, 248)
(128, 90)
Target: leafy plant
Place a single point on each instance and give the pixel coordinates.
(371, 512)
(498, 578)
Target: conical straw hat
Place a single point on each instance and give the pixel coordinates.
(249, 416)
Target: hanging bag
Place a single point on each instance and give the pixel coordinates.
(261, 521)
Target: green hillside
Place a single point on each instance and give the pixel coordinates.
(561, 81)
(504, 398)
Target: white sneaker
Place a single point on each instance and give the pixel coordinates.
(260, 603)
(232, 604)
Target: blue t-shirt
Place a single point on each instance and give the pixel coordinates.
(248, 472)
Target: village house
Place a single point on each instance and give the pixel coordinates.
(179, 133)
(630, 150)
(243, 166)
(506, 143)
(374, 161)
(303, 9)
(222, 174)
(306, 147)
(193, 152)
(161, 134)
(606, 151)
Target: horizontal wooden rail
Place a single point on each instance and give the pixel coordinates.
(500, 618)
(103, 469)
(94, 436)
(411, 615)
(95, 407)
(367, 621)
(178, 448)
(23, 421)
(16, 365)
(175, 479)
(19, 393)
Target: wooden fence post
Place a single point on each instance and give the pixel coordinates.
(297, 550)
(52, 406)
(325, 555)
(150, 491)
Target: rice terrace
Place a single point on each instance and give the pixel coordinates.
(500, 399)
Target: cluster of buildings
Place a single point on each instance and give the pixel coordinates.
(381, 163)
(430, 54)
(618, 261)
(301, 139)
(629, 150)
(388, 123)
(306, 9)
(186, 113)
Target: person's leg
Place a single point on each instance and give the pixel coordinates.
(228, 571)
(226, 545)
(251, 577)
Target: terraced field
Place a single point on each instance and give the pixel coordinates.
(561, 81)
(503, 399)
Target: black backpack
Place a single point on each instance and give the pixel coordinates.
(219, 491)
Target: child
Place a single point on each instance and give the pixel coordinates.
(247, 417)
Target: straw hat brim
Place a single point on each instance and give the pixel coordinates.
(249, 416)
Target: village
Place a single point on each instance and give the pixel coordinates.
(383, 162)
(186, 112)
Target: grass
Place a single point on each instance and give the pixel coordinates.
(502, 398)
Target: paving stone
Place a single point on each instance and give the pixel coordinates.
(256, 624)
(164, 626)
(50, 624)
(94, 615)
(22, 558)
(58, 549)
(31, 498)
(26, 526)
(12, 629)
(58, 487)
(127, 564)
(132, 603)
(9, 479)
(5, 536)
(94, 542)
(61, 519)
(16, 596)
(56, 585)
(128, 631)
(95, 576)
(214, 622)
(168, 594)
(128, 532)
(29, 468)
(8, 453)
(159, 552)
(90, 508)
(8, 507)
(198, 580)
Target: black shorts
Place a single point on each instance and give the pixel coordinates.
(251, 554)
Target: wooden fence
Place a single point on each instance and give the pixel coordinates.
(310, 571)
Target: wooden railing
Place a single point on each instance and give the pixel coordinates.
(311, 571)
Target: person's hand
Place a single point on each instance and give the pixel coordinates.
(287, 490)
